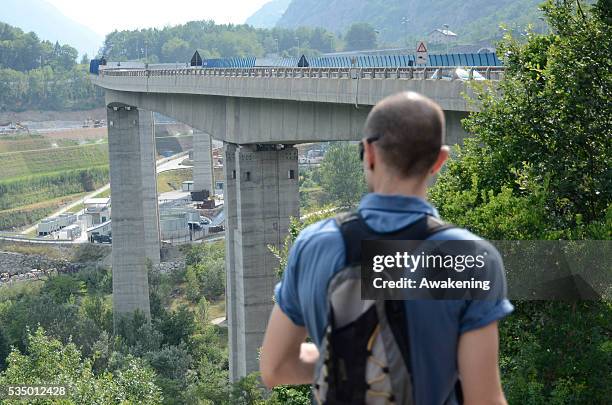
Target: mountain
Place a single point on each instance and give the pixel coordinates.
(472, 20)
(50, 24)
(269, 14)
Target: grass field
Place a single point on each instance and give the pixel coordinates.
(23, 164)
(172, 179)
(34, 143)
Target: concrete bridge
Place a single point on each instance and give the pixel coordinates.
(259, 114)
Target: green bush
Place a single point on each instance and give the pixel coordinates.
(205, 275)
(48, 361)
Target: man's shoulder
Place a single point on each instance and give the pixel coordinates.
(455, 233)
(323, 233)
(462, 234)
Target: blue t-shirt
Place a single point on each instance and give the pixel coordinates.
(434, 327)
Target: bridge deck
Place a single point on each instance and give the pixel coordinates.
(285, 105)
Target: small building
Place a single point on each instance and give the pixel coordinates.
(66, 219)
(71, 232)
(187, 185)
(173, 225)
(97, 211)
(178, 223)
(442, 36)
(49, 225)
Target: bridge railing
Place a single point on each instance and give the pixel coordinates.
(413, 72)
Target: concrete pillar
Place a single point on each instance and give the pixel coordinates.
(130, 281)
(202, 162)
(267, 197)
(229, 206)
(149, 186)
(455, 134)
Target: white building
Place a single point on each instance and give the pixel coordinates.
(97, 211)
(49, 225)
(442, 36)
(71, 232)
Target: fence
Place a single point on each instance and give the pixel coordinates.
(414, 73)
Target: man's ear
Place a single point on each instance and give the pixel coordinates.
(442, 157)
(369, 155)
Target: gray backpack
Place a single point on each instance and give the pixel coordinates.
(365, 353)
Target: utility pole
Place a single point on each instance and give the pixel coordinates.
(298, 46)
(446, 34)
(404, 22)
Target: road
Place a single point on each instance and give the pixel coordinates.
(163, 165)
(218, 320)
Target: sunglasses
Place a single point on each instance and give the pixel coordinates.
(369, 140)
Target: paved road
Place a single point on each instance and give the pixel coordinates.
(218, 321)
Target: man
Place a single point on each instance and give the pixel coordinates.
(402, 149)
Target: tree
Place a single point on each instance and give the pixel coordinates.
(176, 50)
(537, 167)
(322, 40)
(4, 349)
(342, 174)
(49, 362)
(546, 140)
(205, 275)
(360, 36)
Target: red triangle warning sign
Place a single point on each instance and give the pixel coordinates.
(422, 47)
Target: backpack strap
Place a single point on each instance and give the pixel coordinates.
(354, 229)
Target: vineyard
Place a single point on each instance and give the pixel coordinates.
(40, 174)
(43, 161)
(33, 142)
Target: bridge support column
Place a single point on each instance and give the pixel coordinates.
(130, 281)
(267, 196)
(455, 134)
(202, 162)
(229, 206)
(149, 186)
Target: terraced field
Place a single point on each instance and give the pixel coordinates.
(17, 144)
(40, 174)
(20, 164)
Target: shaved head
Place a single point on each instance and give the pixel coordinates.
(411, 127)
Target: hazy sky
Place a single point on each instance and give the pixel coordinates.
(103, 16)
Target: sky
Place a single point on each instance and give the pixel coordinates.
(103, 16)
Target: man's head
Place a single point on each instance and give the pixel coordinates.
(403, 140)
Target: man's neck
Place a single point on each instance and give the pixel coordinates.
(411, 187)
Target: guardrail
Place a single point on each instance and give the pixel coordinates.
(25, 239)
(413, 73)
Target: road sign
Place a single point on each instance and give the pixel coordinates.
(421, 53)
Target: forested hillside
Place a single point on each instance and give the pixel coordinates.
(177, 43)
(472, 20)
(37, 74)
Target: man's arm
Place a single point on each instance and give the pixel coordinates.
(478, 366)
(285, 357)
